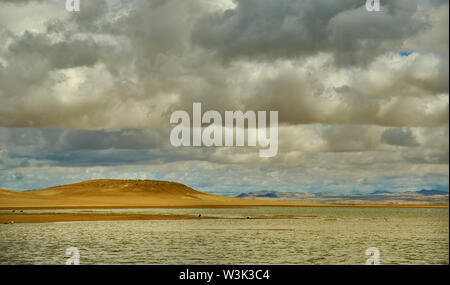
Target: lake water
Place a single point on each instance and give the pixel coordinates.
(274, 235)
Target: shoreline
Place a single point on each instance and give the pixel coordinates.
(21, 217)
(281, 204)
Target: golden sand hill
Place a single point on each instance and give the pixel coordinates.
(108, 193)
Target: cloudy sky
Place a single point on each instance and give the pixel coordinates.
(363, 97)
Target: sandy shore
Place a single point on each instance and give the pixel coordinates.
(21, 217)
(223, 206)
(74, 217)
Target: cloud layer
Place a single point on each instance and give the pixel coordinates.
(361, 96)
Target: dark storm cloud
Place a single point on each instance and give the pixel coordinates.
(123, 139)
(271, 29)
(68, 140)
(55, 146)
(399, 137)
(27, 147)
(60, 55)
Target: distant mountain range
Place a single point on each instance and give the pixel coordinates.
(429, 197)
(422, 192)
(432, 192)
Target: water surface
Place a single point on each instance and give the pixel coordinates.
(264, 235)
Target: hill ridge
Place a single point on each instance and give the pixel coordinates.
(117, 193)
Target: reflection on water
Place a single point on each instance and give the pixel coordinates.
(287, 236)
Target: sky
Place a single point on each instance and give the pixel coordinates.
(363, 97)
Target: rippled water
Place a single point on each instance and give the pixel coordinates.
(283, 236)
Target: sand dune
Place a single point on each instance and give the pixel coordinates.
(107, 193)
